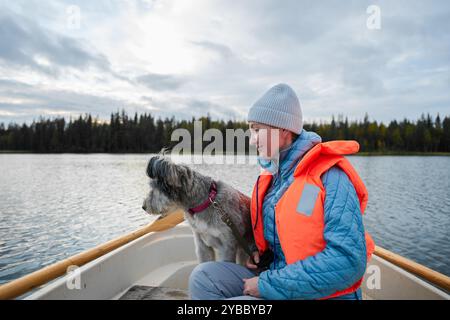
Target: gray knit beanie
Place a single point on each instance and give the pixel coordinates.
(279, 107)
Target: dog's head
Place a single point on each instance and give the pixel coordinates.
(166, 178)
(157, 202)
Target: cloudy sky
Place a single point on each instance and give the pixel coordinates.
(188, 58)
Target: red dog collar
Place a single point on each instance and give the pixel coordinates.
(206, 203)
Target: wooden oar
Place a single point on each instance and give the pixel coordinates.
(419, 270)
(26, 283)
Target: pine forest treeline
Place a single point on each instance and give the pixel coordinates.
(144, 133)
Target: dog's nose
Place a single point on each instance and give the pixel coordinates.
(144, 207)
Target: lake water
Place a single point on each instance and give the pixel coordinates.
(54, 206)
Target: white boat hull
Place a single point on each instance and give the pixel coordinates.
(165, 259)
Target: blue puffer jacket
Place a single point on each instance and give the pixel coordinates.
(342, 262)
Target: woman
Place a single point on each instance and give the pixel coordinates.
(307, 207)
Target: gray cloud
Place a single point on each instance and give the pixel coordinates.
(24, 42)
(160, 82)
(38, 101)
(186, 108)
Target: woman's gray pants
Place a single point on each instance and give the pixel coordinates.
(216, 280)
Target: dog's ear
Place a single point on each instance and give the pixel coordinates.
(168, 173)
(161, 168)
(154, 167)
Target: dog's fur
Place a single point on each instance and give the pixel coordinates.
(174, 186)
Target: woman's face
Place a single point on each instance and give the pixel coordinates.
(266, 139)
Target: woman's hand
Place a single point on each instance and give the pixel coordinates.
(251, 287)
(249, 264)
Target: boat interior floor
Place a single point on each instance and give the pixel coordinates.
(163, 293)
(154, 293)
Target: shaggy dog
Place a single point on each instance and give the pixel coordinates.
(174, 186)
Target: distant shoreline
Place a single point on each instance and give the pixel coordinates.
(364, 154)
(402, 153)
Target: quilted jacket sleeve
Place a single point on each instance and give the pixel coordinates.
(340, 264)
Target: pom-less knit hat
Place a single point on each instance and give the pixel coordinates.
(279, 107)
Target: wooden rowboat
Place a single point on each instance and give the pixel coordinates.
(155, 263)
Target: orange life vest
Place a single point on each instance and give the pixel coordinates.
(301, 235)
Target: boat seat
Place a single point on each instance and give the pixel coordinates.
(154, 293)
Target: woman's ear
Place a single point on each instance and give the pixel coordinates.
(288, 135)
